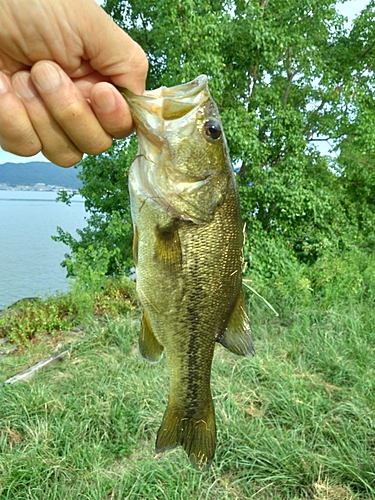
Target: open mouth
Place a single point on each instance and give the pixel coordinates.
(166, 103)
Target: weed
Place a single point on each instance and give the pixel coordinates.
(22, 321)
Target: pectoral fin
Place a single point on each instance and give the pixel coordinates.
(237, 336)
(168, 246)
(149, 347)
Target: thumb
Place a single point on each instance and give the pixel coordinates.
(115, 54)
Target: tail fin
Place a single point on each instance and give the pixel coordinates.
(197, 434)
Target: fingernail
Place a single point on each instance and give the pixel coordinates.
(46, 77)
(23, 86)
(4, 86)
(105, 100)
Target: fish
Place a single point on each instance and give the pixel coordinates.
(188, 254)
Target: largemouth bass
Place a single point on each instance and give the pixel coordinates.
(188, 243)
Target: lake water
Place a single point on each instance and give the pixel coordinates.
(29, 258)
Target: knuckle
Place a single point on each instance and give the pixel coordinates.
(84, 129)
(62, 152)
(17, 135)
(64, 160)
(121, 134)
(72, 111)
(118, 125)
(27, 146)
(97, 147)
(31, 149)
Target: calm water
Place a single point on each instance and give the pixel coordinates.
(29, 258)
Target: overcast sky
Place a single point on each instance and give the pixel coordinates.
(349, 9)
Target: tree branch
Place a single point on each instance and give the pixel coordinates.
(364, 53)
(255, 79)
(291, 75)
(263, 4)
(243, 169)
(319, 140)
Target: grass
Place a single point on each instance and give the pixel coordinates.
(296, 422)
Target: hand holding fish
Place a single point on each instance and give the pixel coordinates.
(58, 59)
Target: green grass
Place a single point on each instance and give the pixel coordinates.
(296, 422)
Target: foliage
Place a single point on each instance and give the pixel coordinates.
(287, 76)
(109, 297)
(21, 321)
(58, 314)
(103, 246)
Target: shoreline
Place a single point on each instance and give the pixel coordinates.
(37, 187)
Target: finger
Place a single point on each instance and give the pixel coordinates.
(133, 70)
(111, 110)
(85, 84)
(8, 65)
(17, 134)
(115, 54)
(69, 108)
(56, 145)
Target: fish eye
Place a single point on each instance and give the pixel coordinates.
(212, 129)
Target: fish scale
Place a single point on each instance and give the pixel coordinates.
(188, 250)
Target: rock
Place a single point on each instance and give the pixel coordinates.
(23, 301)
(4, 351)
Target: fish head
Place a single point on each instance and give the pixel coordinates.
(182, 162)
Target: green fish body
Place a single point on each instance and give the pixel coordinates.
(188, 241)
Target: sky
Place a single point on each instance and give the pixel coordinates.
(349, 9)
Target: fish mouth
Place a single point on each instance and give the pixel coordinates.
(166, 103)
(184, 90)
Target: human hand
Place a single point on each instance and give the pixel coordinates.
(58, 60)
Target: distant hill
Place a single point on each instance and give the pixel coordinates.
(34, 172)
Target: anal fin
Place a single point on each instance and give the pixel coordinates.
(149, 347)
(237, 336)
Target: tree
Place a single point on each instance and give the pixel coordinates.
(103, 246)
(286, 76)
